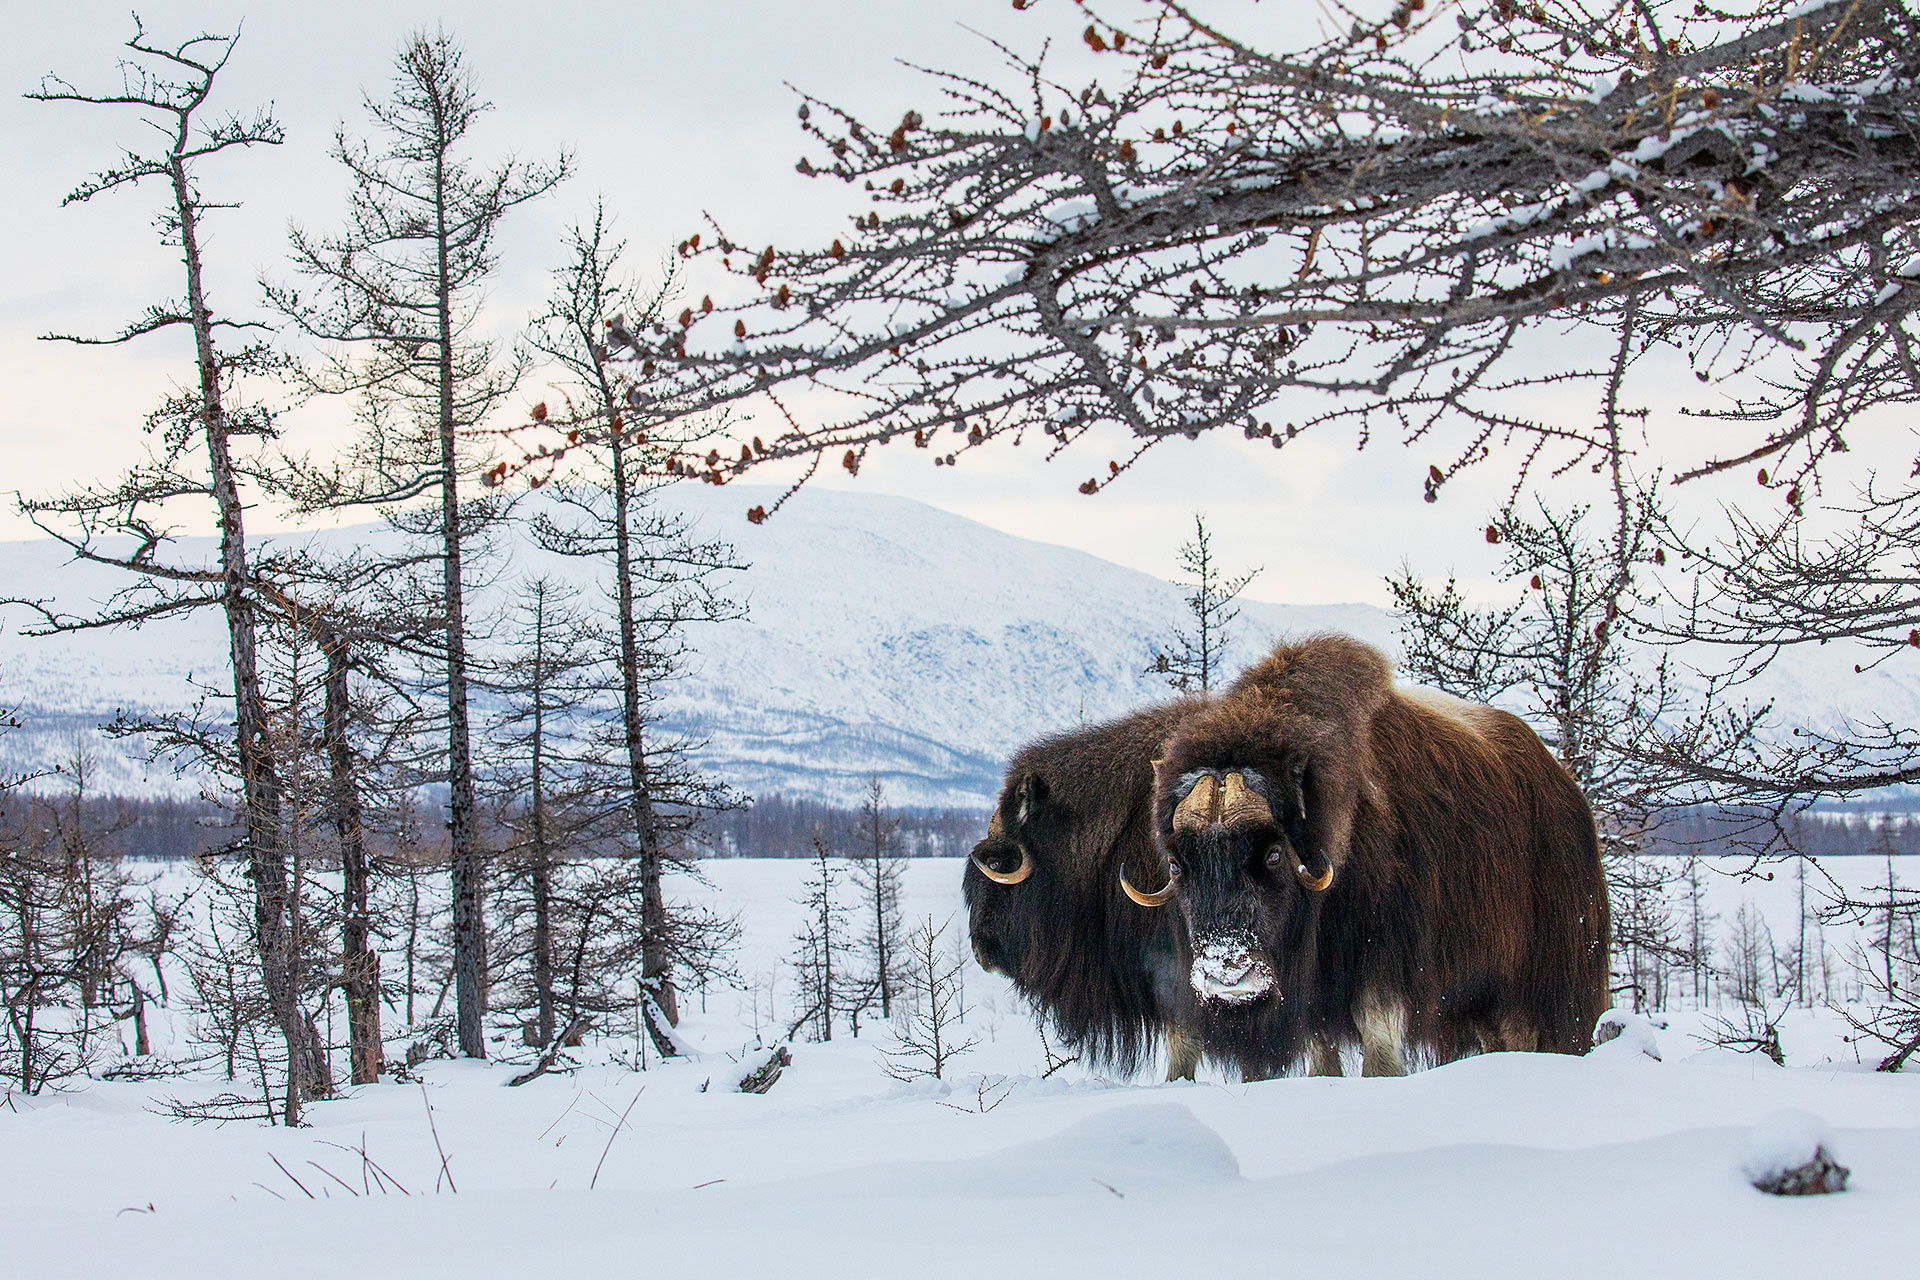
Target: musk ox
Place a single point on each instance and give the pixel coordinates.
(1352, 860)
(1045, 902)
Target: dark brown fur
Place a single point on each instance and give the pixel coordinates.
(1467, 878)
(1111, 975)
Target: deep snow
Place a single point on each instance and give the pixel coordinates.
(1507, 1164)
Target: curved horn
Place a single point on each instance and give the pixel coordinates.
(1015, 876)
(1314, 883)
(1201, 806)
(1158, 899)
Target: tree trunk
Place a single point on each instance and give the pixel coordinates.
(542, 853)
(359, 962)
(469, 918)
(260, 816)
(656, 958)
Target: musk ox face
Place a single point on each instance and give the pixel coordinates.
(1244, 873)
(1011, 875)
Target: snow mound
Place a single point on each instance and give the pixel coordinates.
(1790, 1153)
(1155, 1147)
(1623, 1034)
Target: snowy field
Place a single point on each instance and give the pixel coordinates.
(1503, 1165)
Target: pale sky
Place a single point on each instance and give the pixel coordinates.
(670, 109)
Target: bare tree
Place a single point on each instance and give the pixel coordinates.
(877, 871)
(168, 86)
(1747, 952)
(1192, 664)
(822, 940)
(542, 777)
(396, 299)
(930, 1031)
(1888, 959)
(663, 577)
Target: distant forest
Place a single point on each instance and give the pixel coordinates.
(773, 827)
(778, 827)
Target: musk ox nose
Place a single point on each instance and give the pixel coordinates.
(1226, 970)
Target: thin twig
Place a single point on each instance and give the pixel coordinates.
(610, 1137)
(445, 1171)
(290, 1178)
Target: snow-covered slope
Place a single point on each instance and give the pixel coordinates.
(884, 636)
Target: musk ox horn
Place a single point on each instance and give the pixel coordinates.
(1201, 807)
(996, 830)
(1314, 883)
(1157, 899)
(1014, 876)
(1240, 806)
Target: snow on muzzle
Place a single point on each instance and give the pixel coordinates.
(1227, 969)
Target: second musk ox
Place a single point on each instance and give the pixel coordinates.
(1356, 861)
(1045, 901)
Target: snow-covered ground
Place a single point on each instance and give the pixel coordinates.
(1510, 1164)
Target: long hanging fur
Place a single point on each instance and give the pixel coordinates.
(1467, 876)
(1109, 974)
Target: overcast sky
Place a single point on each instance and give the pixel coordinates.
(670, 109)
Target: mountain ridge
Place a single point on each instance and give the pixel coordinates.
(884, 637)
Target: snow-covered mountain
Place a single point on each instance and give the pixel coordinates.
(884, 636)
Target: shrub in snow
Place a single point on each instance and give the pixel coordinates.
(1625, 1034)
(1790, 1153)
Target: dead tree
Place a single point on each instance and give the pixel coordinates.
(394, 299)
(660, 578)
(206, 439)
(1193, 662)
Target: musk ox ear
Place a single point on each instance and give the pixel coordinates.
(1029, 797)
(1290, 813)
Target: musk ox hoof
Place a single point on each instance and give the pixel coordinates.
(1791, 1154)
(1229, 972)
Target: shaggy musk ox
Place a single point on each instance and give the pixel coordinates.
(1044, 896)
(1353, 860)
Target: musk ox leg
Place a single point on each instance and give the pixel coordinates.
(1383, 1032)
(1323, 1057)
(1518, 1034)
(1183, 1055)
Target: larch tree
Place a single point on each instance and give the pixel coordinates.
(395, 300)
(542, 771)
(208, 449)
(660, 574)
(877, 871)
(1388, 229)
(820, 959)
(1192, 663)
